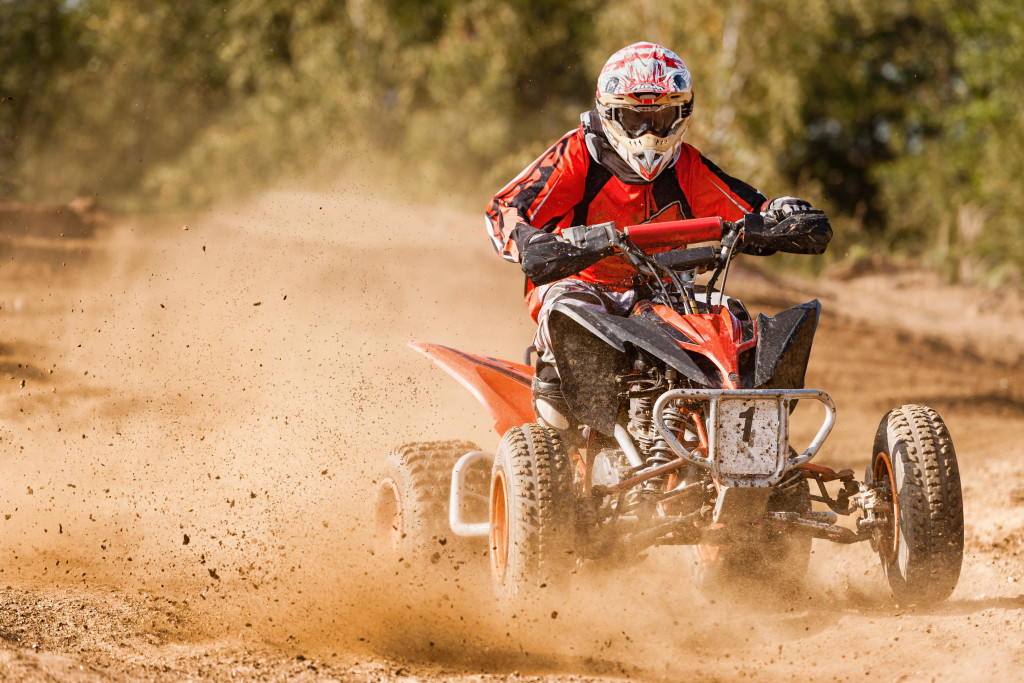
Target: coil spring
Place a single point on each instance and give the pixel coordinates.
(660, 453)
(640, 409)
(640, 417)
(675, 421)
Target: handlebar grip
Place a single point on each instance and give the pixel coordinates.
(675, 233)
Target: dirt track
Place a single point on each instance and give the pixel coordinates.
(193, 413)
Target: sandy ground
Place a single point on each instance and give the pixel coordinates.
(194, 413)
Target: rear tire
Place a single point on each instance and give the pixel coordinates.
(411, 506)
(532, 515)
(923, 549)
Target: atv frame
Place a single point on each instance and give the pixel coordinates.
(679, 454)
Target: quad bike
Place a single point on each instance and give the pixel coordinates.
(682, 412)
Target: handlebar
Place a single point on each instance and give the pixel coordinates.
(663, 269)
(675, 233)
(807, 232)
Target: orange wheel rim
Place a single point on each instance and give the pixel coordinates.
(390, 521)
(889, 537)
(499, 525)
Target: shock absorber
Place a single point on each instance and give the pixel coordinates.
(640, 422)
(642, 430)
(660, 453)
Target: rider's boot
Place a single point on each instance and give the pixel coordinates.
(550, 407)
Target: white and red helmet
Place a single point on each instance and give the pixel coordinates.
(644, 97)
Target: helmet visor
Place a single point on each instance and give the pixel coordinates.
(659, 121)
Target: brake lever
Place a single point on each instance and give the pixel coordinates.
(731, 233)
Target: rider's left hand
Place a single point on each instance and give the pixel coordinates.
(783, 207)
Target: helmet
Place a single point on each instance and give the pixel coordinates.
(644, 98)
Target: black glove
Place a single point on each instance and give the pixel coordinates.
(802, 232)
(545, 257)
(783, 207)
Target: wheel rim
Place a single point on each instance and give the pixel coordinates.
(499, 525)
(888, 536)
(390, 521)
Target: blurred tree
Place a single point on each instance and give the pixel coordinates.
(38, 41)
(962, 183)
(142, 87)
(488, 82)
(875, 92)
(902, 118)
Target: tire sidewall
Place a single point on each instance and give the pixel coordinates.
(538, 561)
(418, 534)
(891, 446)
(505, 585)
(921, 569)
(420, 474)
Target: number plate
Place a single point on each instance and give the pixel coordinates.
(748, 439)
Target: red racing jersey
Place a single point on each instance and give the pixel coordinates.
(580, 180)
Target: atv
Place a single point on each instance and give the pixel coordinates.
(683, 410)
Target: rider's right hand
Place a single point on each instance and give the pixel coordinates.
(544, 257)
(595, 239)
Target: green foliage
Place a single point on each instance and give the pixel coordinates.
(493, 85)
(893, 63)
(902, 118)
(38, 42)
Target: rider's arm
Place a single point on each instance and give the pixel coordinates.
(712, 192)
(529, 208)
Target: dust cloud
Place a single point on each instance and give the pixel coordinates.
(213, 396)
(197, 409)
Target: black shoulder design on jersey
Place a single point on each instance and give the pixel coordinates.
(745, 192)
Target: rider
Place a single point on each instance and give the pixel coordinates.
(626, 163)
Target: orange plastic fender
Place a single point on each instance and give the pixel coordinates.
(502, 387)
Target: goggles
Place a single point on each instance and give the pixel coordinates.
(659, 121)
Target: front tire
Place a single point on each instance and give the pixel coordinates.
(532, 514)
(914, 463)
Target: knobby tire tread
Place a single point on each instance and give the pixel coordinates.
(423, 471)
(928, 562)
(541, 510)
